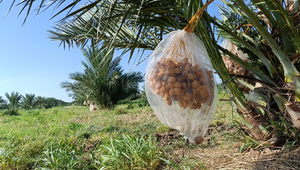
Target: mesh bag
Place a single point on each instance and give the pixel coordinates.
(93, 106)
(180, 85)
(235, 68)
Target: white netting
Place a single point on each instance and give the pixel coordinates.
(234, 67)
(93, 106)
(180, 84)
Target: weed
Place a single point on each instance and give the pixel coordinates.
(130, 106)
(288, 131)
(162, 129)
(32, 113)
(11, 112)
(74, 138)
(186, 163)
(120, 111)
(111, 128)
(9, 159)
(85, 135)
(239, 135)
(75, 126)
(64, 157)
(54, 111)
(129, 152)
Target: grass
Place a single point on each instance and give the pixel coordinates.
(74, 138)
(129, 152)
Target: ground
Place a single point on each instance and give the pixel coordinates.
(217, 156)
(75, 138)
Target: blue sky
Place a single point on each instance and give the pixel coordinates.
(32, 63)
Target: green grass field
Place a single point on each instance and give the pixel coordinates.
(75, 138)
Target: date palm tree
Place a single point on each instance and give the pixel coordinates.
(1, 100)
(28, 101)
(14, 100)
(267, 31)
(3, 104)
(79, 93)
(40, 102)
(103, 82)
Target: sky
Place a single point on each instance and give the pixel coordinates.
(30, 63)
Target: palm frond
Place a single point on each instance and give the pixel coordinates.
(13, 99)
(28, 101)
(120, 25)
(289, 69)
(61, 6)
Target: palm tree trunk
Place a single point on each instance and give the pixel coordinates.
(293, 109)
(258, 123)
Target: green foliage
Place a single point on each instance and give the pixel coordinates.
(129, 152)
(28, 101)
(64, 156)
(33, 112)
(61, 138)
(3, 104)
(256, 41)
(9, 159)
(2, 101)
(240, 135)
(222, 91)
(187, 164)
(268, 32)
(39, 102)
(11, 112)
(102, 81)
(14, 99)
(49, 102)
(287, 131)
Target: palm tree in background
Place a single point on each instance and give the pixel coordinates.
(3, 104)
(103, 80)
(28, 101)
(40, 102)
(14, 100)
(267, 31)
(78, 92)
(1, 100)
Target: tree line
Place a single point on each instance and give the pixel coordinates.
(103, 81)
(15, 101)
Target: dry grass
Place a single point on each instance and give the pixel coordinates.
(222, 155)
(216, 158)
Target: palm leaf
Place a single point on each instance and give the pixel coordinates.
(289, 69)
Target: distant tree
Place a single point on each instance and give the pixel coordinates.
(40, 101)
(28, 101)
(50, 102)
(1, 100)
(62, 103)
(14, 99)
(79, 92)
(3, 103)
(103, 79)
